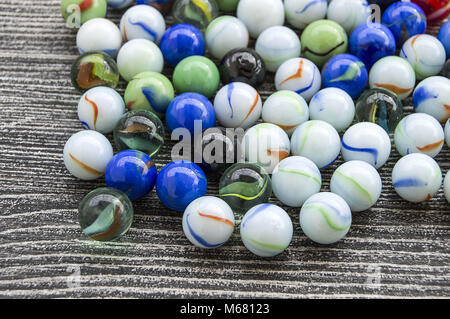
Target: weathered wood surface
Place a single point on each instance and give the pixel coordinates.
(396, 249)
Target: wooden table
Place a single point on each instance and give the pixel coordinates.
(396, 249)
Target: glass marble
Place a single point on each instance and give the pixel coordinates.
(196, 74)
(181, 41)
(347, 72)
(266, 230)
(208, 222)
(425, 53)
(137, 56)
(383, 4)
(447, 187)
(358, 183)
(323, 39)
(444, 37)
(286, 109)
(77, 12)
(227, 5)
(140, 130)
(404, 19)
(259, 15)
(432, 96)
(237, 104)
(394, 74)
(105, 214)
(419, 133)
(224, 34)
(142, 22)
(447, 132)
(199, 13)
(380, 106)
(371, 42)
(366, 142)
(86, 154)
(299, 75)
(436, 10)
(93, 69)
(163, 6)
(325, 218)
(300, 13)
(243, 65)
(416, 177)
(276, 45)
(219, 149)
(190, 111)
(317, 141)
(295, 179)
(119, 4)
(179, 183)
(265, 144)
(446, 70)
(245, 185)
(132, 172)
(100, 109)
(99, 34)
(333, 106)
(149, 91)
(349, 13)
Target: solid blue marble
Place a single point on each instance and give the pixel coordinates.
(444, 37)
(346, 72)
(187, 108)
(371, 42)
(179, 183)
(404, 19)
(181, 41)
(133, 172)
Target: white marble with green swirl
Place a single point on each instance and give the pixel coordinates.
(358, 183)
(266, 230)
(295, 179)
(325, 218)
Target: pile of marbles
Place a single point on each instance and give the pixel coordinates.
(340, 87)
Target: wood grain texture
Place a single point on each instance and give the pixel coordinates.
(42, 248)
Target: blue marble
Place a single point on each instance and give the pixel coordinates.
(371, 42)
(179, 183)
(404, 19)
(187, 108)
(346, 72)
(133, 172)
(181, 41)
(444, 37)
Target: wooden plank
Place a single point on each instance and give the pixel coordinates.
(42, 249)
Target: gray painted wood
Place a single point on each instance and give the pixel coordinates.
(44, 254)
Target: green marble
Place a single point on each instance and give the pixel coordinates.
(140, 130)
(244, 185)
(196, 74)
(199, 13)
(93, 69)
(149, 91)
(105, 214)
(322, 40)
(227, 5)
(77, 12)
